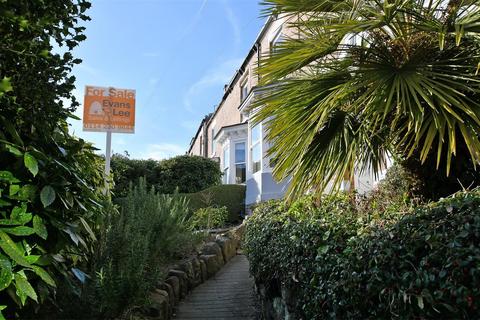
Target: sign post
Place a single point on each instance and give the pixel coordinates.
(108, 109)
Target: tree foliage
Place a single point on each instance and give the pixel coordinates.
(187, 173)
(362, 79)
(49, 180)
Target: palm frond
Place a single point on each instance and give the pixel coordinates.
(407, 85)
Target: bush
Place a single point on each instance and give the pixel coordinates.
(345, 264)
(147, 232)
(50, 181)
(188, 174)
(231, 196)
(208, 218)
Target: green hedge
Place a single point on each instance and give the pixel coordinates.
(231, 196)
(186, 174)
(343, 264)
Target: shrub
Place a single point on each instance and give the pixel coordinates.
(188, 174)
(147, 232)
(232, 196)
(345, 264)
(50, 181)
(125, 171)
(208, 218)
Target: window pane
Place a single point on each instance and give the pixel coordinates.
(213, 140)
(240, 173)
(239, 152)
(256, 156)
(255, 133)
(226, 157)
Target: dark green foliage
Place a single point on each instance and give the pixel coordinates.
(147, 232)
(125, 171)
(209, 218)
(231, 196)
(187, 173)
(346, 264)
(436, 183)
(50, 181)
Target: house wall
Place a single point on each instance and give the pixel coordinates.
(260, 185)
(195, 147)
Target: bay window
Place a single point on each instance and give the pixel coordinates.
(256, 148)
(240, 165)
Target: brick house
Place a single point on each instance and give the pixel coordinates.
(241, 148)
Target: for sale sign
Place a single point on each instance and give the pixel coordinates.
(109, 110)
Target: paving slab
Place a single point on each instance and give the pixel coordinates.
(227, 295)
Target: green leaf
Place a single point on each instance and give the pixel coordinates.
(27, 192)
(44, 53)
(44, 275)
(24, 288)
(1, 315)
(31, 163)
(88, 229)
(32, 259)
(39, 227)
(13, 189)
(20, 214)
(8, 177)
(420, 302)
(13, 150)
(9, 222)
(19, 231)
(323, 249)
(47, 196)
(6, 274)
(5, 86)
(4, 203)
(12, 250)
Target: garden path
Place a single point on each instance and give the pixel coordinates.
(227, 295)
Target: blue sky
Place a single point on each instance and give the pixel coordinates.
(177, 54)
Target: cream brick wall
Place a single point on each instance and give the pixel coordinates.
(195, 149)
(227, 113)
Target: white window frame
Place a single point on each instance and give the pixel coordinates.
(213, 140)
(244, 89)
(276, 39)
(253, 144)
(244, 162)
(226, 164)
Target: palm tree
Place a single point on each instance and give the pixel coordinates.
(367, 79)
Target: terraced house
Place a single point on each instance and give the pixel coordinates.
(241, 147)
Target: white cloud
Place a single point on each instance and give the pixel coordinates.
(217, 76)
(163, 151)
(233, 20)
(193, 21)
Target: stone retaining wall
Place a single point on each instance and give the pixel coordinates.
(187, 274)
(277, 300)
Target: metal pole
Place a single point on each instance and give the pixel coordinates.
(108, 152)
